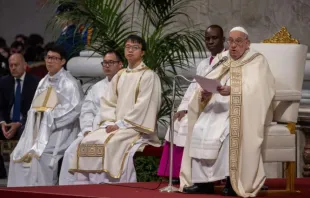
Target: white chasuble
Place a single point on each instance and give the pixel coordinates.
(51, 126)
(134, 101)
(238, 133)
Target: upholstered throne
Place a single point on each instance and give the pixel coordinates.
(286, 59)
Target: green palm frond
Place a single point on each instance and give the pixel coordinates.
(170, 44)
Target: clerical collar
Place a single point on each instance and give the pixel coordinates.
(22, 78)
(56, 76)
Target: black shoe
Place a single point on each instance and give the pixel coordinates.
(228, 189)
(264, 187)
(200, 188)
(175, 181)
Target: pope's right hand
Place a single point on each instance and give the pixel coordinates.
(179, 115)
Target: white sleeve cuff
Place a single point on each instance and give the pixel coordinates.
(86, 130)
(2, 122)
(104, 125)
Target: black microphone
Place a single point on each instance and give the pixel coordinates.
(224, 59)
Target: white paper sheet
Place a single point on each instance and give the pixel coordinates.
(207, 84)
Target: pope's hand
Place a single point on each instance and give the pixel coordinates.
(179, 115)
(111, 128)
(224, 90)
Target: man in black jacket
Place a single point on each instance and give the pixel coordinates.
(16, 94)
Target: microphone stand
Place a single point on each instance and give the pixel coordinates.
(170, 188)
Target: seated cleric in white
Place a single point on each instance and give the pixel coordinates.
(225, 137)
(90, 113)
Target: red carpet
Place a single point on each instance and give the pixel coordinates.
(131, 190)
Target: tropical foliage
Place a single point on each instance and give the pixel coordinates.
(170, 43)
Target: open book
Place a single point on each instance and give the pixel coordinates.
(207, 84)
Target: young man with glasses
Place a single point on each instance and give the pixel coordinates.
(224, 137)
(90, 113)
(51, 126)
(128, 121)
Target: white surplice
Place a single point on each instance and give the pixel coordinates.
(181, 127)
(89, 121)
(226, 133)
(58, 128)
(132, 105)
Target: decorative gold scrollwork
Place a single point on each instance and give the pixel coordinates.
(283, 36)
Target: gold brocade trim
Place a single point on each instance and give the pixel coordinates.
(138, 87)
(40, 109)
(239, 62)
(92, 154)
(118, 77)
(125, 156)
(43, 108)
(139, 128)
(235, 134)
(105, 170)
(291, 127)
(49, 90)
(203, 104)
(91, 150)
(283, 36)
(103, 121)
(26, 158)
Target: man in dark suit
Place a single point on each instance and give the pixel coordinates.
(16, 94)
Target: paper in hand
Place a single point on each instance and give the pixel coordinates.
(207, 84)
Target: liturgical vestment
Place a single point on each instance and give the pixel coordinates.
(133, 105)
(48, 131)
(89, 121)
(226, 132)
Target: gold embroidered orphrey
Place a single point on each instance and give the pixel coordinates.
(235, 115)
(235, 124)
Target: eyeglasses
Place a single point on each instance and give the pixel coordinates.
(238, 41)
(108, 63)
(133, 48)
(52, 58)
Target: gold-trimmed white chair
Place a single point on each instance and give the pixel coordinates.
(287, 63)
